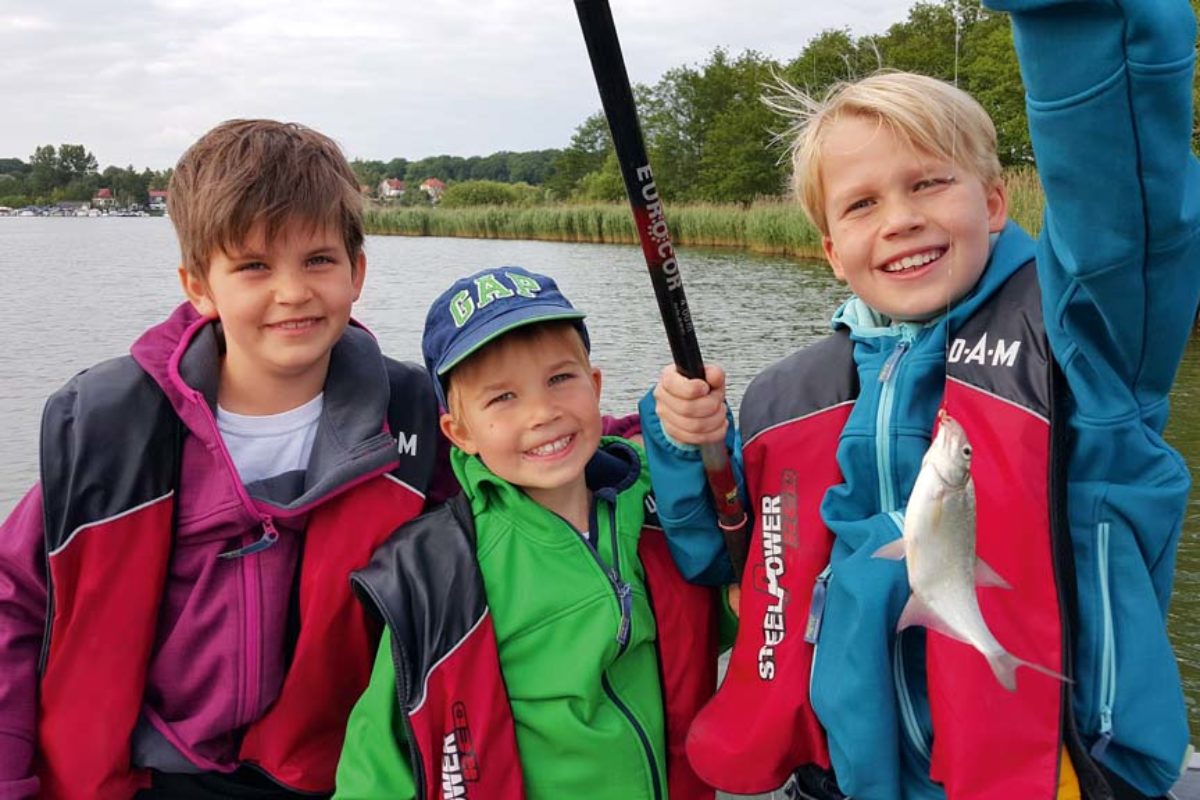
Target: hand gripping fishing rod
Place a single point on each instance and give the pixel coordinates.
(595, 17)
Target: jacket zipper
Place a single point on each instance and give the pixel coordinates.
(624, 594)
(816, 615)
(883, 419)
(655, 778)
(1108, 656)
(888, 504)
(908, 714)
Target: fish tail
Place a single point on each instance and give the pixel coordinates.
(1004, 667)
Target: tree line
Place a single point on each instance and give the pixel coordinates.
(709, 135)
(70, 172)
(711, 138)
(532, 167)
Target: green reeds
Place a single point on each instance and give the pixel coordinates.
(774, 226)
(1025, 198)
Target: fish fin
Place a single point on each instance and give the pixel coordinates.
(893, 550)
(1045, 671)
(916, 612)
(1004, 666)
(986, 576)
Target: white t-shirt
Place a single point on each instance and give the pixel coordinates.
(265, 446)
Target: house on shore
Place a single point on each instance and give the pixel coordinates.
(158, 200)
(433, 188)
(391, 188)
(104, 199)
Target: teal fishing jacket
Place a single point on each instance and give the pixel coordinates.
(1109, 101)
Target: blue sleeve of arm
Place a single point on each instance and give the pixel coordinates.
(684, 507)
(1109, 94)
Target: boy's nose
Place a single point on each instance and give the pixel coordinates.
(902, 217)
(544, 410)
(291, 288)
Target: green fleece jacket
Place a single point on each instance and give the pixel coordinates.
(588, 710)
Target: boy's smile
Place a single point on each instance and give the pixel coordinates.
(283, 304)
(529, 408)
(908, 231)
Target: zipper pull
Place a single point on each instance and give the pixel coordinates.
(625, 597)
(816, 608)
(269, 536)
(1097, 751)
(889, 366)
(1106, 735)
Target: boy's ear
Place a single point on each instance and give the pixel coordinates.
(997, 206)
(831, 255)
(458, 434)
(596, 380)
(197, 293)
(360, 274)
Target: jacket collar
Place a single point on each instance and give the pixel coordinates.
(183, 356)
(614, 467)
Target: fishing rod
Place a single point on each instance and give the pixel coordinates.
(604, 50)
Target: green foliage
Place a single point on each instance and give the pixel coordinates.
(70, 172)
(370, 173)
(13, 166)
(711, 139)
(771, 227)
(490, 193)
(605, 185)
(832, 56)
(532, 167)
(708, 133)
(586, 153)
(1196, 91)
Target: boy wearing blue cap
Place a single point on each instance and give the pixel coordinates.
(541, 642)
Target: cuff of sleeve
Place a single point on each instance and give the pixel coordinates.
(652, 428)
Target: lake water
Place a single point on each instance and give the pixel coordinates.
(75, 291)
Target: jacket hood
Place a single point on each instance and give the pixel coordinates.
(1010, 249)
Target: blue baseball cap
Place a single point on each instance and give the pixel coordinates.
(482, 307)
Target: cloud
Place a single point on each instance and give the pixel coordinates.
(136, 83)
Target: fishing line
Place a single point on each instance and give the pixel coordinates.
(954, 163)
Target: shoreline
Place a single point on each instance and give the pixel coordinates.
(771, 226)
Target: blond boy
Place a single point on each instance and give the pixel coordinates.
(1058, 371)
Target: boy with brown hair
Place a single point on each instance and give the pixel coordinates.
(175, 611)
(540, 641)
(1056, 358)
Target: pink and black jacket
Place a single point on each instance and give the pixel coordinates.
(140, 573)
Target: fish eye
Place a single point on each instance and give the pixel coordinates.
(966, 450)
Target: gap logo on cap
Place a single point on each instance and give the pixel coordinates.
(488, 288)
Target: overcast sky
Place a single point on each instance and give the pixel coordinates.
(137, 82)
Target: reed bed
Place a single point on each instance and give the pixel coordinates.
(772, 226)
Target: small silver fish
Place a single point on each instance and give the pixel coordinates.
(938, 547)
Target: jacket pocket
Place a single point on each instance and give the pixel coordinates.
(1128, 695)
(1105, 673)
(910, 646)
